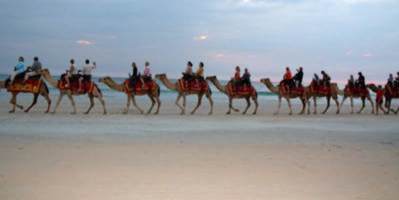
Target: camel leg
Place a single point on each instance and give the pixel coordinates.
(35, 96)
(101, 99)
(351, 99)
(314, 105)
(70, 97)
(308, 102)
(371, 103)
(158, 104)
(47, 97)
(289, 106)
(129, 98)
(363, 105)
(152, 104)
(210, 103)
(199, 101)
(303, 101)
(91, 98)
(135, 105)
(255, 99)
(342, 102)
(336, 103)
(177, 103)
(328, 105)
(248, 105)
(13, 101)
(279, 106)
(230, 106)
(57, 104)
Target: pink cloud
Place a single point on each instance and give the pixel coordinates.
(85, 42)
(367, 55)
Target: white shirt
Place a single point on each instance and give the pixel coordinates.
(88, 68)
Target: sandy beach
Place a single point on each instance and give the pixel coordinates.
(63, 156)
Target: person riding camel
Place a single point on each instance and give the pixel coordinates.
(18, 69)
(287, 80)
(237, 78)
(246, 78)
(134, 76)
(71, 73)
(351, 82)
(379, 99)
(316, 79)
(188, 74)
(147, 72)
(298, 77)
(199, 74)
(35, 68)
(361, 81)
(326, 79)
(396, 81)
(86, 73)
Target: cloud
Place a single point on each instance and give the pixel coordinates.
(349, 52)
(201, 37)
(84, 42)
(367, 55)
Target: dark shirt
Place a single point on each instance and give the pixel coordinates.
(134, 72)
(36, 66)
(299, 76)
(246, 76)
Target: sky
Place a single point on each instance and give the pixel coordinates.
(339, 36)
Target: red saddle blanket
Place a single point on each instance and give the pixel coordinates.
(240, 90)
(139, 88)
(30, 85)
(297, 90)
(193, 85)
(86, 87)
(321, 89)
(357, 91)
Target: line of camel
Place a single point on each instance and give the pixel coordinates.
(154, 95)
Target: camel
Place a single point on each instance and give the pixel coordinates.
(152, 94)
(96, 93)
(347, 93)
(224, 89)
(182, 94)
(312, 93)
(282, 94)
(389, 96)
(43, 90)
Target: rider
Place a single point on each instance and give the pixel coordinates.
(237, 78)
(361, 80)
(71, 72)
(134, 76)
(396, 80)
(246, 77)
(326, 79)
(188, 74)
(379, 99)
(147, 72)
(35, 68)
(351, 82)
(86, 73)
(287, 79)
(298, 77)
(18, 69)
(316, 79)
(199, 74)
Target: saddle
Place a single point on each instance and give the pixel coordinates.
(86, 87)
(240, 89)
(138, 87)
(32, 85)
(356, 90)
(392, 91)
(193, 85)
(320, 88)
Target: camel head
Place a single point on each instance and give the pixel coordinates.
(104, 79)
(265, 80)
(45, 72)
(160, 76)
(211, 78)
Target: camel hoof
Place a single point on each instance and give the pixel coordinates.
(105, 113)
(156, 113)
(11, 111)
(275, 113)
(20, 107)
(46, 112)
(228, 113)
(192, 113)
(86, 113)
(244, 113)
(26, 111)
(182, 113)
(290, 113)
(323, 113)
(351, 113)
(315, 113)
(73, 113)
(236, 110)
(337, 112)
(210, 113)
(254, 113)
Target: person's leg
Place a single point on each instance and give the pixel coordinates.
(12, 77)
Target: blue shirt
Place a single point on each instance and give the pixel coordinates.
(20, 67)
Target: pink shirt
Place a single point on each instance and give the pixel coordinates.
(147, 71)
